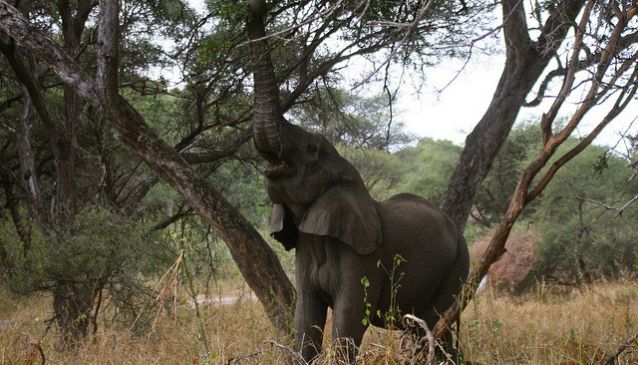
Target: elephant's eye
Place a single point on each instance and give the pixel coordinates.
(312, 152)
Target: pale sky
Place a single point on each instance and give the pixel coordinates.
(449, 107)
(451, 114)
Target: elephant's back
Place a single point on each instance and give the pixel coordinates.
(407, 197)
(419, 213)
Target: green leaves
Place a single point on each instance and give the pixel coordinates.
(368, 307)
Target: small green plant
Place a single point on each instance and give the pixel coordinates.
(497, 324)
(368, 307)
(390, 317)
(474, 325)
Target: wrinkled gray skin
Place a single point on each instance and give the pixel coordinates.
(323, 210)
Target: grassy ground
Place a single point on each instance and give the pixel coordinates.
(549, 326)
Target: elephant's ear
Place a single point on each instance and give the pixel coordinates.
(282, 227)
(348, 213)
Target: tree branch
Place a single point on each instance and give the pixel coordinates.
(107, 62)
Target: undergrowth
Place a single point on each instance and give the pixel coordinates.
(549, 326)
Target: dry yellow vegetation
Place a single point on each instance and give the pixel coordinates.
(551, 326)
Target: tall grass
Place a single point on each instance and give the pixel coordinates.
(549, 326)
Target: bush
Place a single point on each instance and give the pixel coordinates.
(583, 239)
(102, 251)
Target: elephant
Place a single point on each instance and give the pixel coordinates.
(341, 235)
(345, 242)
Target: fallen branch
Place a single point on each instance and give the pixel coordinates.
(295, 355)
(237, 359)
(411, 320)
(611, 359)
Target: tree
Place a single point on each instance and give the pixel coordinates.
(254, 258)
(608, 81)
(594, 239)
(431, 164)
(526, 60)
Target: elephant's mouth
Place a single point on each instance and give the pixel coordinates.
(280, 170)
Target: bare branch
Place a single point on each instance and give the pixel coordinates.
(611, 359)
(568, 82)
(623, 98)
(412, 320)
(294, 354)
(618, 210)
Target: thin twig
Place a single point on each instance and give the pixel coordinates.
(237, 359)
(611, 359)
(201, 323)
(280, 34)
(295, 355)
(410, 29)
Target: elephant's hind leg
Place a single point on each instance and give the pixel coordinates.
(444, 298)
(310, 319)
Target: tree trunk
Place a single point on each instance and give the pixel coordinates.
(525, 62)
(73, 306)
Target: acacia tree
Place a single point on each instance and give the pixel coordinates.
(602, 67)
(275, 292)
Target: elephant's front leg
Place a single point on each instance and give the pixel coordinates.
(310, 318)
(348, 322)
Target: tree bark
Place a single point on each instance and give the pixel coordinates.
(255, 259)
(73, 307)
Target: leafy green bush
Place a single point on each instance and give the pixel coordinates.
(101, 251)
(582, 236)
(429, 166)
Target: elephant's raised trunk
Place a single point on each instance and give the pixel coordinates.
(267, 116)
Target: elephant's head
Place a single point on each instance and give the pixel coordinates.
(314, 189)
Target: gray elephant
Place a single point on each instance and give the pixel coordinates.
(341, 235)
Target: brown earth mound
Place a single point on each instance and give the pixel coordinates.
(512, 271)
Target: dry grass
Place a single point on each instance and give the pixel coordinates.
(553, 326)
(547, 327)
